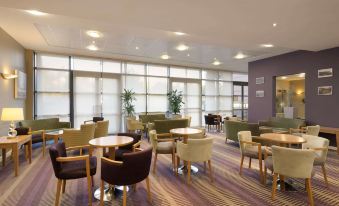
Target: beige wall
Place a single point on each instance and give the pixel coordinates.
(12, 57)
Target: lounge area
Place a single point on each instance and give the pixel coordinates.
(124, 103)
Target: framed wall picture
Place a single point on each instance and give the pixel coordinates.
(325, 90)
(325, 73)
(260, 93)
(20, 85)
(260, 80)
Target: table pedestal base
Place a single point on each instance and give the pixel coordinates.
(183, 169)
(109, 192)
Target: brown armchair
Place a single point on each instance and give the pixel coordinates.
(133, 168)
(67, 168)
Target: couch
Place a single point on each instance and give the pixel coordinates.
(164, 126)
(233, 127)
(150, 118)
(281, 124)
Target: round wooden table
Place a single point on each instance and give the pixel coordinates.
(111, 142)
(282, 139)
(185, 132)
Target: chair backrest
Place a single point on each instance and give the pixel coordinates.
(96, 119)
(316, 142)
(153, 138)
(74, 137)
(244, 136)
(132, 123)
(290, 162)
(313, 130)
(199, 135)
(196, 150)
(209, 119)
(136, 139)
(55, 151)
(101, 129)
(135, 168)
(189, 118)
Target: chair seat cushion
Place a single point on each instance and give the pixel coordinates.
(77, 169)
(165, 147)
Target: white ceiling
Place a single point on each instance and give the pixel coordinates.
(216, 28)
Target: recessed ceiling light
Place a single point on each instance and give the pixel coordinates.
(188, 55)
(164, 56)
(94, 34)
(283, 77)
(179, 33)
(216, 62)
(267, 45)
(36, 12)
(182, 47)
(275, 24)
(137, 48)
(302, 75)
(240, 56)
(92, 47)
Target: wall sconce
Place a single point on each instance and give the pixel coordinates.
(9, 76)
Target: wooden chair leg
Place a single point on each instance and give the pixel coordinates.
(309, 191)
(3, 157)
(155, 162)
(325, 174)
(274, 185)
(63, 186)
(177, 167)
(241, 163)
(57, 198)
(210, 170)
(89, 182)
(148, 189)
(134, 187)
(188, 172)
(249, 163)
(282, 182)
(124, 201)
(173, 161)
(26, 152)
(102, 185)
(265, 175)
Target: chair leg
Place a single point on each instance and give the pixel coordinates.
(282, 182)
(89, 185)
(241, 163)
(3, 157)
(155, 162)
(26, 152)
(57, 198)
(249, 163)
(210, 170)
(265, 174)
(274, 185)
(188, 172)
(309, 191)
(63, 186)
(125, 197)
(173, 161)
(177, 167)
(102, 185)
(148, 189)
(325, 174)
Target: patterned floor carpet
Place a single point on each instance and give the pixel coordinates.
(36, 184)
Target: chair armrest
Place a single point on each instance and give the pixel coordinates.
(252, 143)
(138, 149)
(78, 147)
(118, 163)
(36, 132)
(70, 159)
(136, 145)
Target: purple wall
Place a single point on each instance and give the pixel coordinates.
(323, 110)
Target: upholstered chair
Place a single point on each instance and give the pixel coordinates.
(67, 168)
(250, 149)
(309, 130)
(320, 147)
(101, 129)
(162, 144)
(301, 167)
(134, 125)
(189, 119)
(199, 135)
(196, 150)
(78, 139)
(133, 168)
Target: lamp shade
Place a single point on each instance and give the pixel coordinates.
(12, 114)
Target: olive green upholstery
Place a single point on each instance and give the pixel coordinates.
(164, 126)
(147, 118)
(44, 124)
(233, 127)
(280, 123)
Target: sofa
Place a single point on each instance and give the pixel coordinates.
(233, 127)
(281, 124)
(150, 118)
(164, 126)
(39, 127)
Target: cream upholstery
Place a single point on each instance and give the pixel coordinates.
(133, 124)
(198, 136)
(101, 129)
(313, 130)
(77, 138)
(189, 119)
(320, 147)
(162, 144)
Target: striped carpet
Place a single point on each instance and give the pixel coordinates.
(36, 184)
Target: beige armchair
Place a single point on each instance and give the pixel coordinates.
(309, 130)
(75, 139)
(196, 150)
(250, 149)
(199, 135)
(162, 144)
(189, 119)
(320, 146)
(300, 167)
(134, 125)
(101, 129)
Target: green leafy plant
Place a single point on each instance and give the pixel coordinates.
(175, 101)
(127, 98)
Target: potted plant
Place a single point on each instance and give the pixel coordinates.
(127, 98)
(175, 101)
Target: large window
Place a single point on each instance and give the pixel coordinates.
(92, 86)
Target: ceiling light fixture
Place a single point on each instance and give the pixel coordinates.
(267, 45)
(36, 12)
(182, 47)
(92, 47)
(216, 62)
(302, 75)
(283, 77)
(275, 24)
(164, 56)
(178, 33)
(240, 56)
(94, 34)
(188, 55)
(137, 48)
